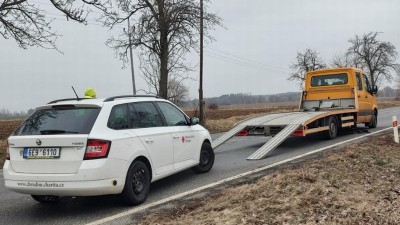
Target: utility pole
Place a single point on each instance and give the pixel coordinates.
(130, 51)
(201, 100)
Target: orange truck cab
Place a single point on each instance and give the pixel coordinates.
(341, 89)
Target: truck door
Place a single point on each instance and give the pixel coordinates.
(369, 99)
(364, 98)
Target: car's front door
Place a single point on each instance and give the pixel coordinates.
(185, 139)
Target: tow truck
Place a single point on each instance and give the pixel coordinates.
(332, 100)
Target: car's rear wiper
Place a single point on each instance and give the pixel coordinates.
(57, 132)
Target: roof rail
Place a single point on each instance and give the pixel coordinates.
(130, 96)
(66, 99)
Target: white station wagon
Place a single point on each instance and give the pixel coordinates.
(118, 145)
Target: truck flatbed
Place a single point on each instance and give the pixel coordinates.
(280, 126)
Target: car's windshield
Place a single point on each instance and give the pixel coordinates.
(59, 121)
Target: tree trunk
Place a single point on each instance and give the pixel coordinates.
(164, 72)
(163, 52)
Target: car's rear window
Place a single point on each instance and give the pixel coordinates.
(327, 80)
(59, 121)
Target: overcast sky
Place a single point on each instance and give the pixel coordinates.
(252, 55)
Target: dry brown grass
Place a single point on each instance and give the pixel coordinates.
(225, 113)
(7, 127)
(358, 185)
(383, 104)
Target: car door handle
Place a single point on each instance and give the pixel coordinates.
(149, 141)
(175, 137)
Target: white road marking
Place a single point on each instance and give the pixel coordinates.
(175, 197)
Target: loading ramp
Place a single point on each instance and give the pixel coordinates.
(289, 122)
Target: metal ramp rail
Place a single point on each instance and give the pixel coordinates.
(291, 121)
(241, 125)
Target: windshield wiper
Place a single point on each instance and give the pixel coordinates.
(57, 132)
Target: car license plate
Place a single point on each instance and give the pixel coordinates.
(41, 153)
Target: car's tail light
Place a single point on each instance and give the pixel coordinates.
(96, 149)
(8, 151)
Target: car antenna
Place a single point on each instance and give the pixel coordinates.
(75, 92)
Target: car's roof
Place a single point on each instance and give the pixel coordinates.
(101, 101)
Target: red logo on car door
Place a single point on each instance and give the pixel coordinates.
(183, 139)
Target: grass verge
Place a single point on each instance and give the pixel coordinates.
(359, 184)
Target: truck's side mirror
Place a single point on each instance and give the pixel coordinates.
(374, 89)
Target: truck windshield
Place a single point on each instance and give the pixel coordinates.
(327, 80)
(59, 121)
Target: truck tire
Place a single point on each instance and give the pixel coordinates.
(373, 123)
(332, 132)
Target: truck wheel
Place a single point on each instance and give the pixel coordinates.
(331, 133)
(137, 184)
(207, 157)
(373, 123)
(46, 198)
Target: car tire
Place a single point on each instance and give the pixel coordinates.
(373, 123)
(207, 158)
(332, 132)
(137, 183)
(46, 198)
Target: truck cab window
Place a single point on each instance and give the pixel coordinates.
(367, 85)
(359, 83)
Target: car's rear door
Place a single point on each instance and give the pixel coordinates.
(149, 127)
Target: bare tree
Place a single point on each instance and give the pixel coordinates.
(346, 60)
(307, 61)
(29, 25)
(177, 91)
(376, 58)
(162, 29)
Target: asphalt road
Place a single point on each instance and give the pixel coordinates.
(230, 160)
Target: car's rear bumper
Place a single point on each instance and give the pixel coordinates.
(91, 179)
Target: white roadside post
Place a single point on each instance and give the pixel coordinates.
(395, 129)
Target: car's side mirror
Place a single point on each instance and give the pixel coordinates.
(194, 121)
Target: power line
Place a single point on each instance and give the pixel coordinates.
(243, 63)
(251, 61)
